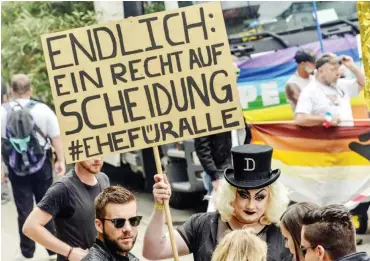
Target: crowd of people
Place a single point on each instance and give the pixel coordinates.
(82, 217)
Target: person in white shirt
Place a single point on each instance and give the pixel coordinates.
(305, 58)
(35, 184)
(326, 100)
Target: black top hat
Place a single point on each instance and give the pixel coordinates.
(252, 167)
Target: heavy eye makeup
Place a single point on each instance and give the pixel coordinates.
(260, 195)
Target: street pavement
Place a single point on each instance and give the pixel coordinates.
(10, 237)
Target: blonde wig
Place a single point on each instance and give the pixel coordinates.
(241, 245)
(278, 202)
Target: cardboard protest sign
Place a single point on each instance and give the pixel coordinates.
(142, 82)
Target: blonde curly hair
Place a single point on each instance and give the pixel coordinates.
(241, 245)
(278, 202)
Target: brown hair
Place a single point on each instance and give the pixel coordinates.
(292, 221)
(331, 227)
(113, 194)
(21, 83)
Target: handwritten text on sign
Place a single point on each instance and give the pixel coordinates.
(142, 82)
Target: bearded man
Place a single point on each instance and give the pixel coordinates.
(70, 202)
(117, 222)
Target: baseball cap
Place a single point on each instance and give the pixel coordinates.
(305, 55)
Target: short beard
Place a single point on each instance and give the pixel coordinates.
(85, 167)
(114, 247)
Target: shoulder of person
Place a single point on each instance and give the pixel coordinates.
(292, 78)
(97, 253)
(132, 257)
(274, 234)
(311, 88)
(276, 243)
(346, 83)
(40, 105)
(104, 178)
(203, 218)
(67, 179)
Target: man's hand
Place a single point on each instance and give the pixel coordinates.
(161, 189)
(77, 254)
(60, 168)
(335, 121)
(348, 61)
(215, 184)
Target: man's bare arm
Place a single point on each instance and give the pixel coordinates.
(34, 228)
(308, 120)
(157, 244)
(359, 76)
(60, 163)
(292, 92)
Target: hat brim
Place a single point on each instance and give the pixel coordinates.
(252, 184)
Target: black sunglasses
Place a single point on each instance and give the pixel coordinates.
(120, 222)
(328, 59)
(304, 250)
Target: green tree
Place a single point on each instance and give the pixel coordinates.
(153, 7)
(23, 23)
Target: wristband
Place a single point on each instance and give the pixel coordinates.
(159, 207)
(328, 120)
(69, 253)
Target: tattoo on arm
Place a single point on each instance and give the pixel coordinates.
(163, 240)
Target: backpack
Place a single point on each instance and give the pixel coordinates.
(21, 150)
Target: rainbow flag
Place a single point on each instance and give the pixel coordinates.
(262, 80)
(320, 165)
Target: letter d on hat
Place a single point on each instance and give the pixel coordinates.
(247, 163)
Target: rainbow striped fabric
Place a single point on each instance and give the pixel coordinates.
(262, 80)
(319, 165)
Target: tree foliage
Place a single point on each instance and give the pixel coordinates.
(23, 23)
(154, 6)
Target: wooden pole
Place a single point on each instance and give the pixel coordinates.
(166, 207)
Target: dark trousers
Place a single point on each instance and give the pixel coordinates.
(24, 190)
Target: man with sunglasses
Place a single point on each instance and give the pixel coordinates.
(70, 202)
(326, 100)
(117, 222)
(328, 234)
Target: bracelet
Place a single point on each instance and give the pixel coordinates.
(159, 207)
(69, 253)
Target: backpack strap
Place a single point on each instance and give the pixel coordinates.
(29, 106)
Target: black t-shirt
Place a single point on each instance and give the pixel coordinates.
(60, 204)
(201, 235)
(71, 203)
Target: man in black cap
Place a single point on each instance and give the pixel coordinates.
(305, 59)
(249, 196)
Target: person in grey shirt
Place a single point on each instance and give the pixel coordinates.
(70, 202)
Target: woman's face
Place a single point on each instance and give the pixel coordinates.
(289, 242)
(250, 205)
